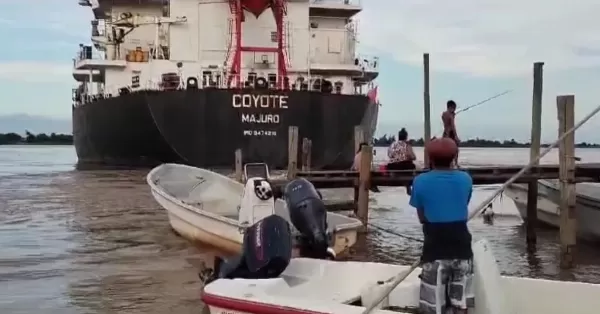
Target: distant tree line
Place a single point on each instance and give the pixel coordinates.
(41, 138)
(386, 140)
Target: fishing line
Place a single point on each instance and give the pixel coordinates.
(394, 233)
(398, 279)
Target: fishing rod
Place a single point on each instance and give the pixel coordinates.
(484, 101)
(398, 279)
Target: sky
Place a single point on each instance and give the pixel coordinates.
(477, 49)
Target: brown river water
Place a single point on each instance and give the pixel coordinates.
(96, 242)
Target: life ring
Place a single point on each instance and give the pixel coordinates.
(261, 82)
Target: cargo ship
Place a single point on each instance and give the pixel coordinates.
(191, 81)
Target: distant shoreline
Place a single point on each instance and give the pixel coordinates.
(35, 139)
(595, 146)
(37, 144)
(386, 141)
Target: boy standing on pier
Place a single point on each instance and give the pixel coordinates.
(449, 126)
(441, 197)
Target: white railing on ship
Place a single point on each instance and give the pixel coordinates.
(364, 62)
(112, 91)
(80, 56)
(368, 63)
(339, 2)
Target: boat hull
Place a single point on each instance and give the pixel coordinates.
(205, 127)
(548, 213)
(221, 235)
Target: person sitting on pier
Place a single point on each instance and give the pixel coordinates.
(401, 155)
(449, 125)
(441, 198)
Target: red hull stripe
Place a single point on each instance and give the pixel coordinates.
(250, 306)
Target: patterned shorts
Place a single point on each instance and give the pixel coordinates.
(444, 280)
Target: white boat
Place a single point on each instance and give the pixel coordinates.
(335, 287)
(587, 210)
(205, 206)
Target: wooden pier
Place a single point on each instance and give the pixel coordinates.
(481, 176)
(566, 171)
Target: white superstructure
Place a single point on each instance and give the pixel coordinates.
(287, 44)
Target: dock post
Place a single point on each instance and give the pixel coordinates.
(292, 152)
(566, 152)
(239, 172)
(359, 136)
(364, 181)
(536, 134)
(306, 154)
(426, 106)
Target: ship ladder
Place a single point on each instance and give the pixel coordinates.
(279, 10)
(234, 32)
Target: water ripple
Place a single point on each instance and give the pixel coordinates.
(96, 242)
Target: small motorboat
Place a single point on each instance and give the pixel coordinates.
(277, 283)
(211, 208)
(548, 212)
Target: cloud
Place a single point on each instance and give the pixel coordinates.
(60, 17)
(485, 38)
(32, 71)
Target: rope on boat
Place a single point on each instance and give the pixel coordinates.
(400, 277)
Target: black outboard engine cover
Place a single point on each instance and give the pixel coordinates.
(309, 215)
(266, 251)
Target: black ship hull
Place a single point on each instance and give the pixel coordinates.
(204, 127)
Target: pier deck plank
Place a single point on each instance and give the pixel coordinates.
(589, 172)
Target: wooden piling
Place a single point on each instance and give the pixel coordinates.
(566, 150)
(239, 168)
(364, 181)
(359, 137)
(536, 134)
(426, 105)
(306, 154)
(292, 152)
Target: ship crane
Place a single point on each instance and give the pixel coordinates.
(233, 59)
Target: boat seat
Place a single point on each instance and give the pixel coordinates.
(305, 277)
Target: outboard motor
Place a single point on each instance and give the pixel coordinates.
(266, 252)
(309, 215)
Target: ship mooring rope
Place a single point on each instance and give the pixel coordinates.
(400, 277)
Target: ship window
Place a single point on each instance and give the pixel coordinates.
(274, 37)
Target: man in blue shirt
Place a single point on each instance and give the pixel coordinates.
(441, 197)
